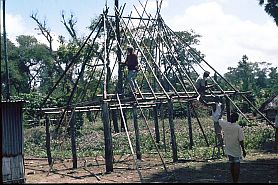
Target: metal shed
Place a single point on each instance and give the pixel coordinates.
(12, 142)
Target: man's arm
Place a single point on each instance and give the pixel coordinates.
(242, 147)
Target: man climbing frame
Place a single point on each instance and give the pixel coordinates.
(132, 64)
(216, 113)
(201, 86)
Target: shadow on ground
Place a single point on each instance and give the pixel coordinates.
(256, 171)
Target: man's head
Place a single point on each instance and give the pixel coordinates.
(130, 49)
(206, 74)
(234, 117)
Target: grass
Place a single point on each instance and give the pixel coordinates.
(90, 140)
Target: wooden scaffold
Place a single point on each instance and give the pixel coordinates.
(165, 80)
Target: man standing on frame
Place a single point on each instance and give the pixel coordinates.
(132, 64)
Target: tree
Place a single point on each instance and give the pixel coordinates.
(17, 75)
(257, 77)
(243, 76)
(271, 8)
(34, 59)
(273, 79)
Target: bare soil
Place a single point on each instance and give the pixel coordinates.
(257, 167)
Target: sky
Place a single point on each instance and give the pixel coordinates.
(229, 29)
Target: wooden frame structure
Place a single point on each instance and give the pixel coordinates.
(162, 72)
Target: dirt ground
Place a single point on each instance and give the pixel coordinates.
(257, 167)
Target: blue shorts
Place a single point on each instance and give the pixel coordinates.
(234, 159)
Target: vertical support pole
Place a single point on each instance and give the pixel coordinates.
(172, 130)
(228, 108)
(107, 138)
(155, 111)
(6, 52)
(137, 133)
(105, 112)
(73, 139)
(119, 55)
(47, 140)
(163, 127)
(191, 144)
(115, 120)
(156, 126)
(120, 68)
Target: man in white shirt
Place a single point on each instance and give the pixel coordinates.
(233, 144)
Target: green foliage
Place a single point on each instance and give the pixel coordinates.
(256, 77)
(90, 142)
(34, 141)
(271, 8)
(256, 137)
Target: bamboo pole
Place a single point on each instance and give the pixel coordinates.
(48, 139)
(73, 140)
(172, 131)
(105, 110)
(129, 142)
(6, 53)
(107, 138)
(191, 143)
(137, 133)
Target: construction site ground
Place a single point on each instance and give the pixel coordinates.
(257, 167)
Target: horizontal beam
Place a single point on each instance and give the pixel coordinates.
(125, 17)
(128, 102)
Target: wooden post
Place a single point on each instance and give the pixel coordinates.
(120, 88)
(156, 126)
(172, 130)
(163, 127)
(119, 55)
(47, 139)
(105, 111)
(228, 109)
(107, 138)
(120, 67)
(137, 133)
(191, 144)
(73, 140)
(7, 89)
(115, 120)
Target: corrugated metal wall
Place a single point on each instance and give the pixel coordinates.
(12, 141)
(12, 128)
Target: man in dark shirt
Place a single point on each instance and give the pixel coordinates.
(201, 86)
(132, 64)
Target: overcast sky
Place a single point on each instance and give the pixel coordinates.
(229, 28)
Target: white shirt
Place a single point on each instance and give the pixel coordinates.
(216, 114)
(233, 134)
